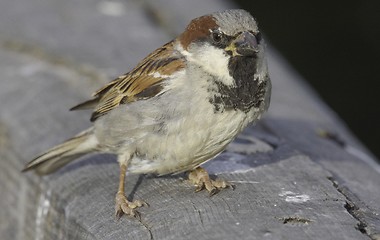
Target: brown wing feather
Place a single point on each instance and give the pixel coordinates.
(140, 83)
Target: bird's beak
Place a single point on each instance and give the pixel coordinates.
(245, 45)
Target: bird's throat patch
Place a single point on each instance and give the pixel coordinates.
(248, 91)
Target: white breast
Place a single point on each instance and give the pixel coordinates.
(191, 131)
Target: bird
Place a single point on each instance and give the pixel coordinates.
(178, 108)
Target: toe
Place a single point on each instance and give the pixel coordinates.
(118, 213)
(201, 179)
(137, 204)
(123, 206)
(220, 184)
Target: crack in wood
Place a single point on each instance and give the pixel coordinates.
(295, 220)
(198, 212)
(355, 210)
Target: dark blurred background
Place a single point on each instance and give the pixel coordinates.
(335, 46)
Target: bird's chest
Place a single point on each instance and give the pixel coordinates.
(194, 135)
(199, 118)
(200, 129)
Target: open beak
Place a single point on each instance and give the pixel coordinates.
(244, 45)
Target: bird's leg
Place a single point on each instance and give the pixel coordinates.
(123, 206)
(201, 179)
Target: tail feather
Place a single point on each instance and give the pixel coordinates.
(62, 154)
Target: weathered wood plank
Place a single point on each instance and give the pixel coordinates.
(291, 183)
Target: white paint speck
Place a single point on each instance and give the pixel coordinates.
(294, 197)
(267, 234)
(298, 199)
(247, 182)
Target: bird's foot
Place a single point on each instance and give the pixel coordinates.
(123, 206)
(201, 180)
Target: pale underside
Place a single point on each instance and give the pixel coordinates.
(177, 129)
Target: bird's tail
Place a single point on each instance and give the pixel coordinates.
(62, 154)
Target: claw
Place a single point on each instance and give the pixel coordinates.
(199, 188)
(214, 191)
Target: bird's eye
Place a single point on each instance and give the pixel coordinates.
(217, 37)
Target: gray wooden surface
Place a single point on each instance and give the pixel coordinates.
(291, 182)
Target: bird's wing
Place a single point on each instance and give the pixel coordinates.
(144, 81)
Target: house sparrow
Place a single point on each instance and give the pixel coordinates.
(181, 106)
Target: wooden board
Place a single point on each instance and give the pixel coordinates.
(291, 181)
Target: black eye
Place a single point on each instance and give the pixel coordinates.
(217, 37)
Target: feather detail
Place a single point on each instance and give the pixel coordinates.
(90, 104)
(62, 154)
(144, 81)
